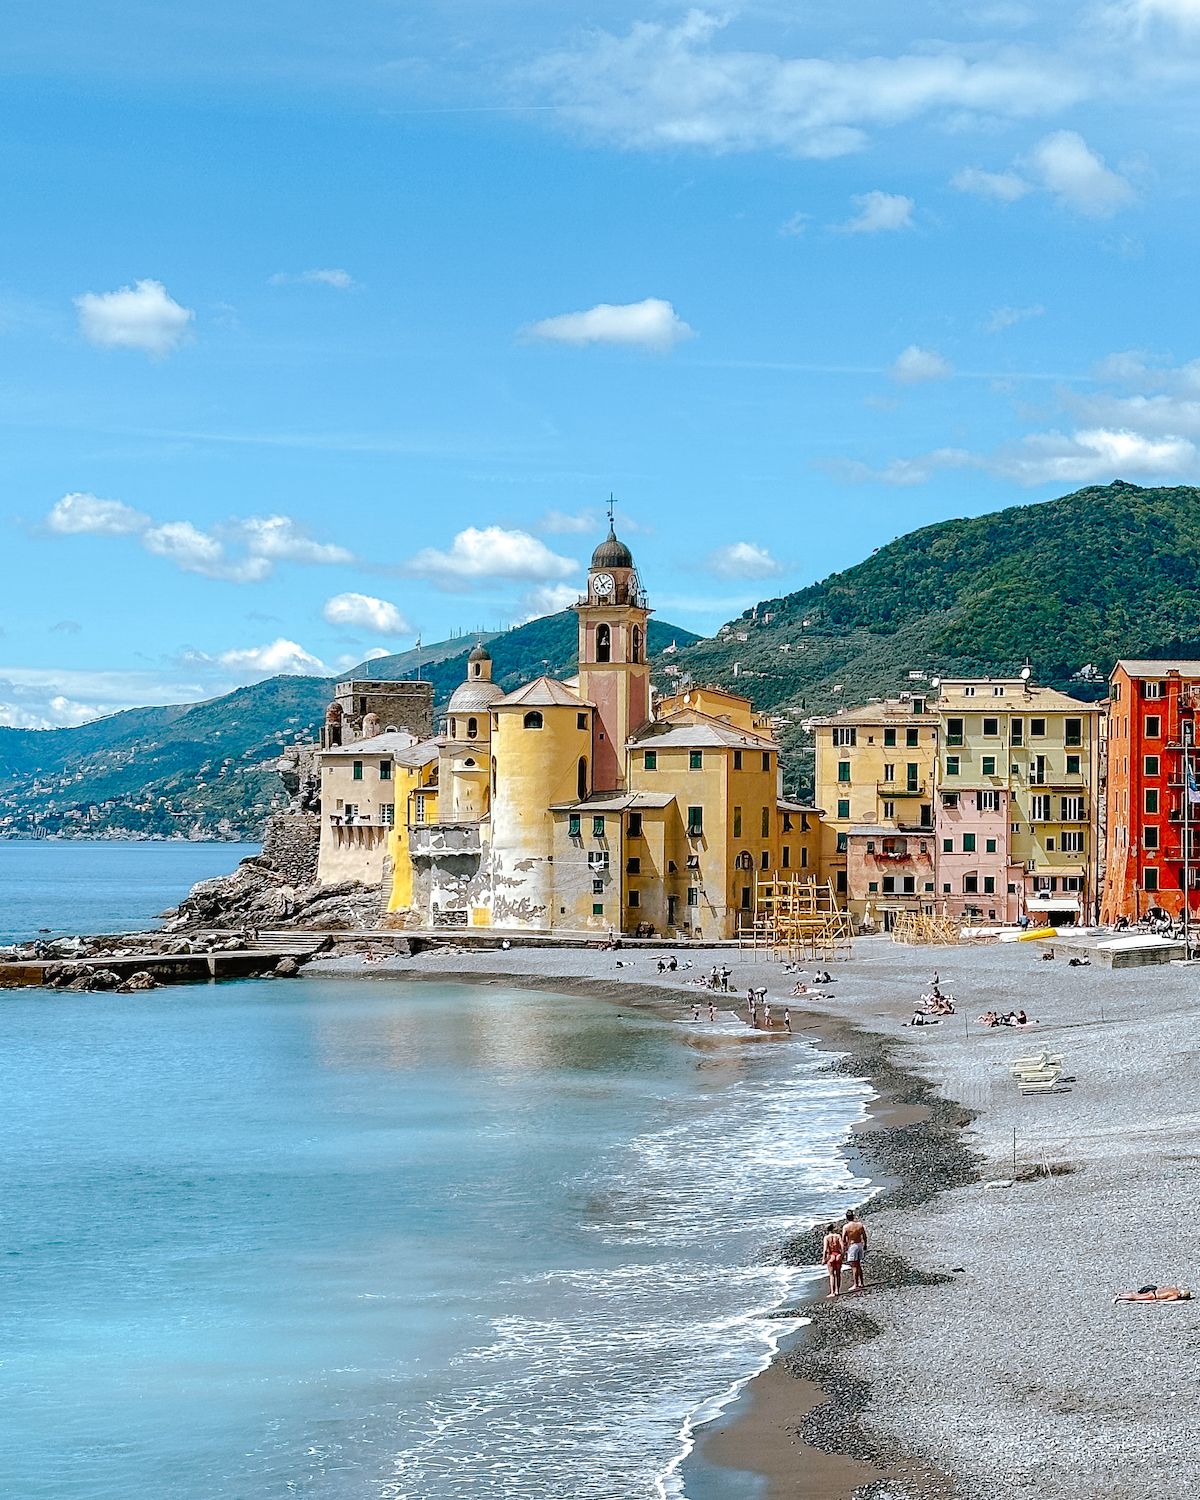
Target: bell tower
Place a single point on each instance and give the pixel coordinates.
(613, 672)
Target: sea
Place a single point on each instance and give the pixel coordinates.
(349, 1238)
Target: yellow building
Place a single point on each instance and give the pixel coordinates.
(579, 806)
(362, 786)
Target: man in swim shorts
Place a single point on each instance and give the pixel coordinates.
(854, 1233)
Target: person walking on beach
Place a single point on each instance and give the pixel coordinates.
(787, 1019)
(712, 1010)
(832, 1253)
(854, 1233)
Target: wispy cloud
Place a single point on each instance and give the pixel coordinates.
(914, 365)
(879, 212)
(144, 317)
(1001, 318)
(652, 324)
(365, 612)
(743, 560)
(1061, 165)
(331, 276)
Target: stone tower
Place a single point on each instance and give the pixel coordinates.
(613, 673)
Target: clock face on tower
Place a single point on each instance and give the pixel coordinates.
(604, 584)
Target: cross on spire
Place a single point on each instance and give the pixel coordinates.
(611, 503)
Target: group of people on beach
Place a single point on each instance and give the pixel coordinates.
(998, 1018)
(845, 1244)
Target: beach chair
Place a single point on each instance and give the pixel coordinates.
(1039, 1075)
(1022, 1065)
(1053, 1085)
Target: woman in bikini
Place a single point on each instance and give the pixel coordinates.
(833, 1252)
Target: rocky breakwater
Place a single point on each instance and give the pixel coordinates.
(259, 894)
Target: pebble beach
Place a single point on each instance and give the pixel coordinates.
(987, 1357)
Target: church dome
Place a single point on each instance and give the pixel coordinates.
(479, 653)
(612, 553)
(470, 697)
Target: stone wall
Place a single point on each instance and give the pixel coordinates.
(292, 842)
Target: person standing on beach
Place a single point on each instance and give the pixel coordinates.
(832, 1253)
(854, 1233)
(787, 1019)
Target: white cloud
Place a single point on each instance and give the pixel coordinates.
(549, 599)
(142, 317)
(196, 551)
(903, 471)
(1096, 455)
(364, 612)
(878, 211)
(1182, 13)
(795, 226)
(1061, 164)
(575, 523)
(672, 85)
(1004, 187)
(1001, 318)
(1075, 175)
(650, 324)
(333, 276)
(743, 560)
(81, 514)
(481, 553)
(282, 658)
(282, 540)
(914, 364)
(52, 697)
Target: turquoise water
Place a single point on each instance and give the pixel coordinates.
(346, 1239)
(80, 886)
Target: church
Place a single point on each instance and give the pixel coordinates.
(579, 806)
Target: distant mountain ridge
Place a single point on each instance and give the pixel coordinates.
(202, 770)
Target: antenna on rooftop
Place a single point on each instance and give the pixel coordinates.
(1026, 672)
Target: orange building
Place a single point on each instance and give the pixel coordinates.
(1151, 719)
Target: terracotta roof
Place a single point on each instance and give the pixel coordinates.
(1160, 668)
(616, 802)
(543, 692)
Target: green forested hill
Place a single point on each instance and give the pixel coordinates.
(1108, 571)
(203, 770)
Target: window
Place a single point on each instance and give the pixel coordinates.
(929, 886)
(1151, 766)
(954, 731)
(1037, 729)
(889, 809)
(913, 772)
(952, 765)
(843, 770)
(988, 801)
(635, 825)
(633, 866)
(573, 830)
(991, 729)
(989, 765)
(910, 885)
(787, 857)
(889, 737)
(766, 859)
(581, 721)
(1150, 880)
(947, 846)
(970, 885)
(889, 773)
(650, 760)
(1040, 807)
(597, 887)
(949, 799)
(385, 770)
(1017, 731)
(889, 885)
(737, 822)
(636, 647)
(968, 843)
(1072, 883)
(358, 774)
(635, 897)
(765, 823)
(533, 719)
(843, 807)
(1152, 690)
(1153, 726)
(989, 846)
(419, 808)
(603, 643)
(873, 887)
(597, 908)
(1151, 804)
(911, 738)
(693, 896)
(845, 734)
(841, 884)
(989, 885)
(804, 858)
(695, 822)
(766, 760)
(1071, 841)
(581, 778)
(1072, 809)
(598, 859)
(1150, 837)
(1072, 765)
(472, 729)
(1074, 732)
(841, 843)
(737, 760)
(695, 760)
(598, 827)
(968, 692)
(387, 814)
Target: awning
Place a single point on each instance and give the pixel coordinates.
(1052, 903)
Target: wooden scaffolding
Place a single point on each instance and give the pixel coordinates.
(798, 918)
(926, 929)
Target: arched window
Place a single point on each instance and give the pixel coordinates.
(475, 669)
(744, 861)
(637, 643)
(582, 787)
(533, 719)
(453, 729)
(603, 643)
(472, 729)
(493, 775)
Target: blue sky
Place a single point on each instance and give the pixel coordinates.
(324, 326)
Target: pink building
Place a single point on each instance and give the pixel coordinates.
(974, 874)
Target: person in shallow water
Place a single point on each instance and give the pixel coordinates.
(832, 1253)
(854, 1233)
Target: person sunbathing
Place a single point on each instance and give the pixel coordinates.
(989, 1018)
(1156, 1294)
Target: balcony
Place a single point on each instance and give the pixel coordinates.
(902, 788)
(443, 840)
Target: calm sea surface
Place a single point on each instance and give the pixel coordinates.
(75, 886)
(362, 1239)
